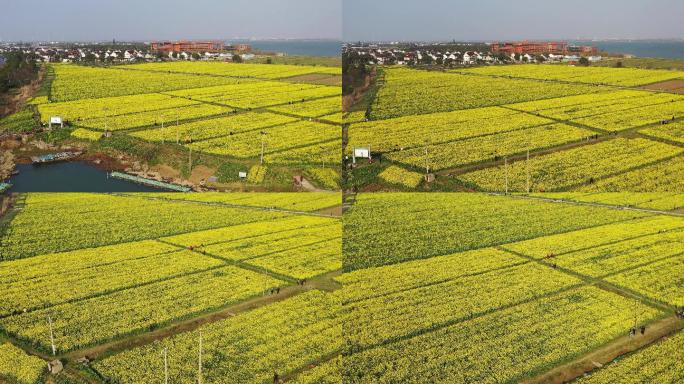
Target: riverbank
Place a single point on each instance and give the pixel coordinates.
(168, 165)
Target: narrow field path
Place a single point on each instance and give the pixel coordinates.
(229, 205)
(678, 213)
(609, 352)
(107, 349)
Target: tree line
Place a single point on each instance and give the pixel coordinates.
(19, 69)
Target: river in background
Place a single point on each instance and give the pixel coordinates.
(662, 49)
(74, 176)
(296, 47)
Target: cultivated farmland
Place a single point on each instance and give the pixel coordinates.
(463, 288)
(121, 278)
(521, 127)
(226, 114)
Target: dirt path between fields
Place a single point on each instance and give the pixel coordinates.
(678, 212)
(324, 282)
(604, 355)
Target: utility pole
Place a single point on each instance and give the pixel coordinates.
(52, 337)
(635, 315)
(199, 372)
(166, 366)
(263, 135)
(323, 155)
(190, 160)
(506, 170)
(105, 113)
(427, 163)
(527, 165)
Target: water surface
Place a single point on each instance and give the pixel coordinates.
(73, 176)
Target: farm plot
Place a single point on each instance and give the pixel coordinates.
(154, 118)
(18, 367)
(74, 82)
(659, 363)
(187, 102)
(473, 118)
(237, 70)
(647, 200)
(80, 110)
(312, 201)
(663, 176)
(574, 168)
(97, 220)
(394, 316)
(325, 154)
(492, 147)
(661, 280)
(259, 94)
(412, 131)
(413, 92)
(329, 372)
(503, 346)
(389, 228)
(160, 277)
(86, 134)
(593, 75)
(311, 248)
(363, 285)
(213, 128)
(636, 117)
(612, 111)
(276, 139)
(570, 107)
(673, 132)
(129, 311)
(602, 235)
(400, 176)
(315, 108)
(650, 265)
(506, 310)
(92, 272)
(250, 347)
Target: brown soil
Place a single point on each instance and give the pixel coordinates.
(104, 162)
(166, 171)
(316, 78)
(10, 143)
(333, 211)
(200, 173)
(674, 86)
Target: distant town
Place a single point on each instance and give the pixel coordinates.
(465, 54)
(118, 52)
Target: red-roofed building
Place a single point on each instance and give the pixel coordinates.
(531, 47)
(187, 46)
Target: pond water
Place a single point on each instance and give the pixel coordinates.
(73, 176)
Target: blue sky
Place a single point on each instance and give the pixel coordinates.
(94, 20)
(411, 20)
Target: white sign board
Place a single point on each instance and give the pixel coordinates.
(55, 120)
(242, 175)
(362, 152)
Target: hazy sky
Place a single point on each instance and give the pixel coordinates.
(168, 19)
(389, 20)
